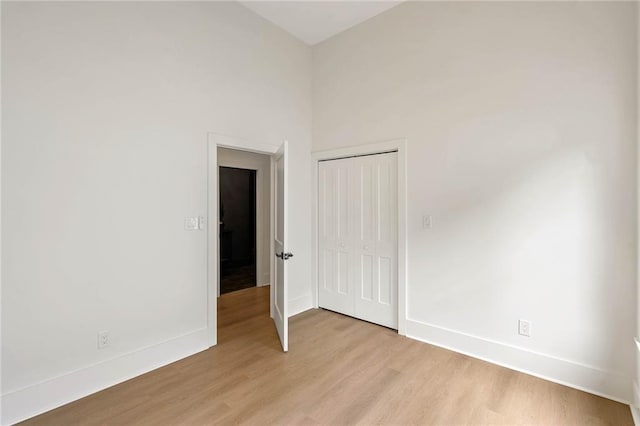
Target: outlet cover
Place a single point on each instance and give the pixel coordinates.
(524, 328)
(103, 339)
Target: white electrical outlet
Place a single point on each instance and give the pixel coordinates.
(524, 328)
(103, 339)
(426, 221)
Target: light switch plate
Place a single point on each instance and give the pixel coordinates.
(191, 223)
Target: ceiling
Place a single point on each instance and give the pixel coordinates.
(315, 21)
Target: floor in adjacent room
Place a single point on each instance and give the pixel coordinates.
(238, 278)
(338, 371)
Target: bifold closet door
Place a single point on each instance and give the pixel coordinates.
(335, 229)
(375, 249)
(358, 237)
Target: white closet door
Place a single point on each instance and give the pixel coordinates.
(358, 237)
(335, 266)
(376, 245)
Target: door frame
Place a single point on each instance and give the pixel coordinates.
(395, 145)
(215, 141)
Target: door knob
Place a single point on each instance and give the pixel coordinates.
(284, 256)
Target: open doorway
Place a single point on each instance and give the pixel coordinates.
(227, 313)
(244, 238)
(244, 220)
(238, 226)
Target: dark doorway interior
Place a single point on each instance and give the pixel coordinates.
(237, 229)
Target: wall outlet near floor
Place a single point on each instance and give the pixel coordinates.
(103, 339)
(524, 328)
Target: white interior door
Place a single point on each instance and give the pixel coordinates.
(280, 297)
(358, 239)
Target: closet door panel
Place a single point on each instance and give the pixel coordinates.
(378, 207)
(335, 263)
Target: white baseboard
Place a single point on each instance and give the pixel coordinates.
(590, 379)
(41, 397)
(635, 414)
(300, 304)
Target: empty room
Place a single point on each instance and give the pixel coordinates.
(319, 212)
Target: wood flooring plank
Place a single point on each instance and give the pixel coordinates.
(339, 371)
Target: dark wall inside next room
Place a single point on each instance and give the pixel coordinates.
(238, 213)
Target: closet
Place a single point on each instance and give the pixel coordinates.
(358, 237)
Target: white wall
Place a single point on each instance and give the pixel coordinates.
(106, 109)
(262, 165)
(521, 127)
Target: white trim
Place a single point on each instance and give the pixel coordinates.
(272, 236)
(212, 240)
(399, 145)
(636, 386)
(232, 142)
(49, 394)
(300, 304)
(215, 141)
(314, 232)
(635, 404)
(635, 414)
(366, 149)
(608, 384)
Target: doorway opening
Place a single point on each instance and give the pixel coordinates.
(238, 236)
(244, 219)
(244, 201)
(270, 164)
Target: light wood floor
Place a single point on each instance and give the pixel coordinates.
(339, 371)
